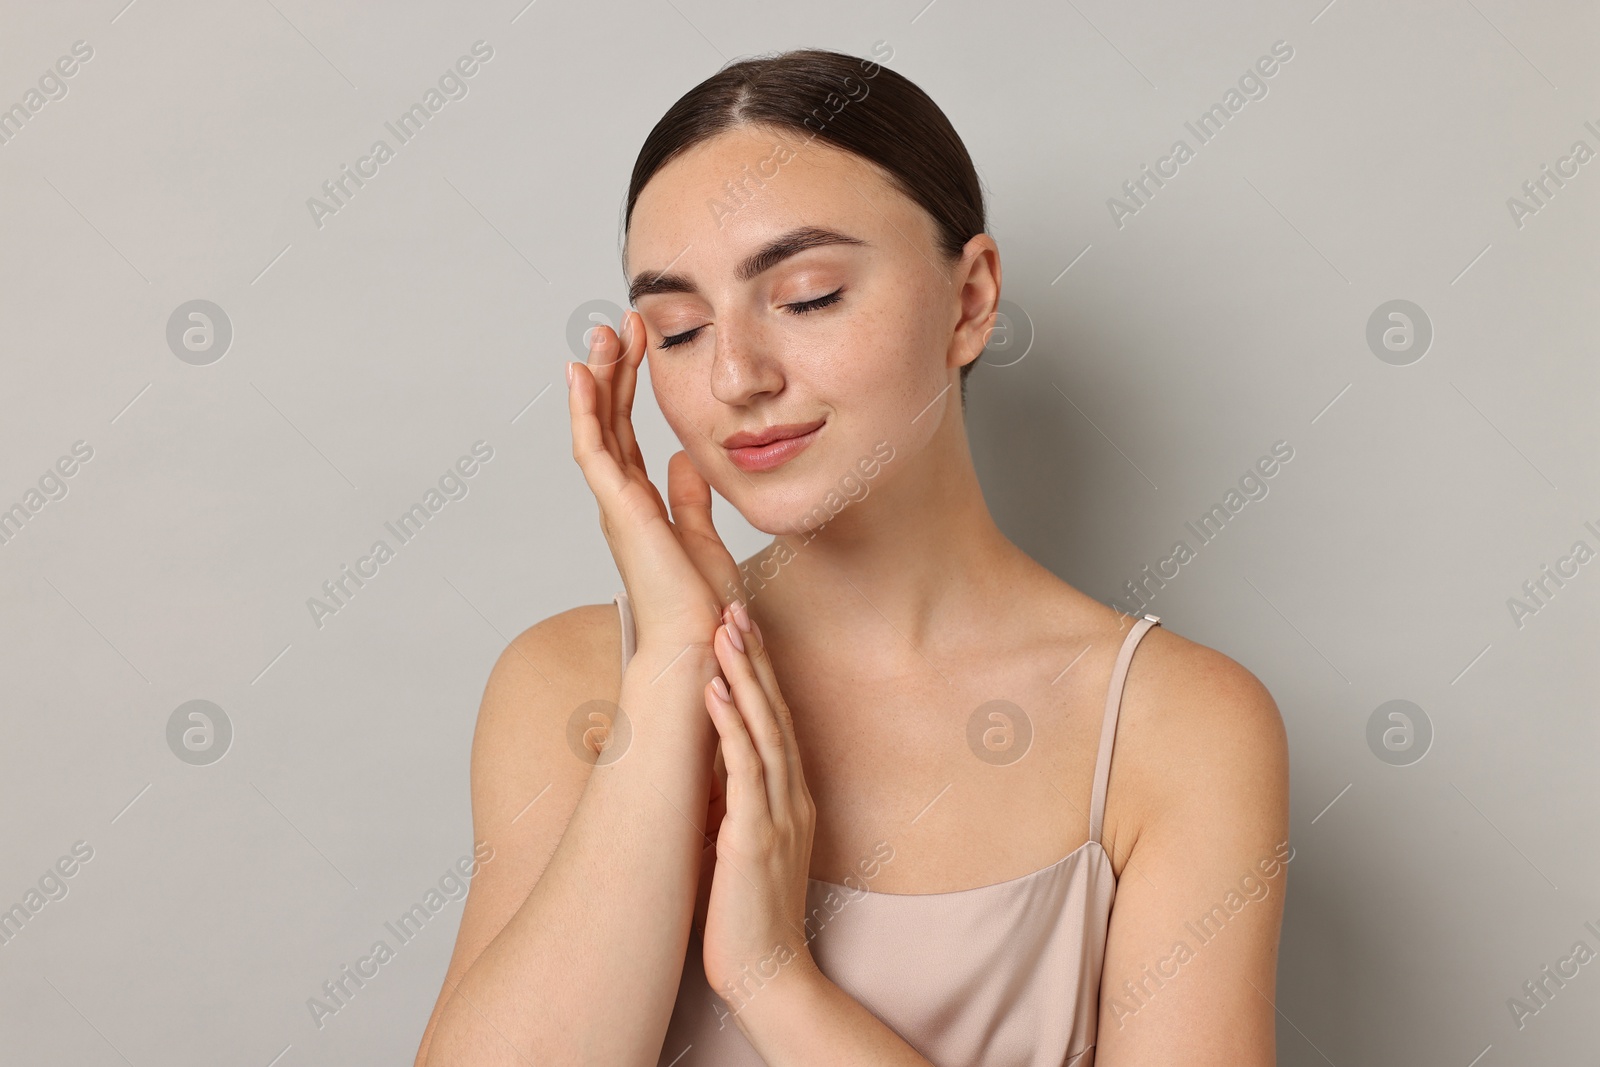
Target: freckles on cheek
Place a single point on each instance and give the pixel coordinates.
(683, 405)
(911, 358)
(911, 374)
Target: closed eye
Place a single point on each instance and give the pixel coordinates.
(800, 308)
(812, 305)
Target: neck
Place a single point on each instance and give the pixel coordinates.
(918, 549)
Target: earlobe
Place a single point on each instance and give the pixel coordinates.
(980, 298)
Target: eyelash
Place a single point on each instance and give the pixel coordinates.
(801, 308)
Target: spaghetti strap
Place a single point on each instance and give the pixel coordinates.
(1108, 728)
(626, 610)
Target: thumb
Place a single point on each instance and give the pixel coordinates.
(689, 496)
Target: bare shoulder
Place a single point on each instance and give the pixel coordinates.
(1199, 737)
(526, 780)
(1200, 845)
(542, 677)
(577, 650)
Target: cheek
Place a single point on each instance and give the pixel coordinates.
(690, 411)
(677, 404)
(906, 362)
(900, 373)
(885, 346)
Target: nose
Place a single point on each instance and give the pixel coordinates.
(743, 364)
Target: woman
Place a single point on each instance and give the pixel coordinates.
(860, 804)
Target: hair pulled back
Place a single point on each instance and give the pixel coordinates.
(853, 104)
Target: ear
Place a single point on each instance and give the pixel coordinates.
(976, 278)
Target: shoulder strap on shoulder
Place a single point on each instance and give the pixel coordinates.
(625, 609)
(1108, 728)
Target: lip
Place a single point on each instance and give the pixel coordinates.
(772, 447)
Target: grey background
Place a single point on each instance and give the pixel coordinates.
(432, 312)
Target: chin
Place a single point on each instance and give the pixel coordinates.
(788, 509)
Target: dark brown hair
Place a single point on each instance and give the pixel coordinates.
(851, 103)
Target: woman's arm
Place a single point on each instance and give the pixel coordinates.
(1191, 955)
(804, 1018)
(578, 960)
(756, 912)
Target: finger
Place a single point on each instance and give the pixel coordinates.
(602, 365)
(761, 662)
(599, 465)
(625, 381)
(745, 793)
(613, 356)
(602, 468)
(758, 716)
(690, 498)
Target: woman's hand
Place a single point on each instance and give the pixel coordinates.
(756, 910)
(672, 564)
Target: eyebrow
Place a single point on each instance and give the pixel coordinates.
(647, 283)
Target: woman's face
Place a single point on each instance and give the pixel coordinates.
(788, 288)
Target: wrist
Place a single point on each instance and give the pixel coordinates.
(780, 1003)
(674, 662)
(663, 692)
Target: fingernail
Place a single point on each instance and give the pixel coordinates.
(755, 628)
(740, 615)
(569, 373)
(733, 635)
(722, 689)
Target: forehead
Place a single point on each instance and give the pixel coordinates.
(724, 197)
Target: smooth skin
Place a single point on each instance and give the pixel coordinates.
(573, 951)
(887, 627)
